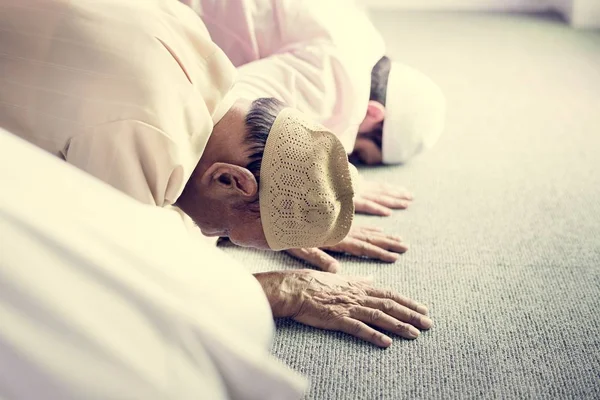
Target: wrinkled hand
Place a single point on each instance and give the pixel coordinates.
(345, 304)
(361, 242)
(380, 198)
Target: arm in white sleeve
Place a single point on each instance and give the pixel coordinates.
(133, 157)
(102, 297)
(313, 79)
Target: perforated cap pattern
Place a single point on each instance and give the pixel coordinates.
(306, 190)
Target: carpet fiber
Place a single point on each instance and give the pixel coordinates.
(504, 229)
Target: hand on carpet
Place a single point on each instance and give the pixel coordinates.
(350, 305)
(360, 242)
(381, 198)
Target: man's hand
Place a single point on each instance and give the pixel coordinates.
(380, 198)
(339, 303)
(361, 242)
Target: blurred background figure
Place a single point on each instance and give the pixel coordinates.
(326, 58)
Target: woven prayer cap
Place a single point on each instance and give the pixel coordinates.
(306, 185)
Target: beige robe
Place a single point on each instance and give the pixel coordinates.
(127, 90)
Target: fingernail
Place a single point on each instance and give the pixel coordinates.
(414, 332)
(404, 204)
(422, 309)
(386, 341)
(427, 322)
(333, 268)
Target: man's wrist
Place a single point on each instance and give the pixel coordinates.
(281, 293)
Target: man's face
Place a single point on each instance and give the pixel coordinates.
(221, 194)
(240, 223)
(367, 148)
(249, 234)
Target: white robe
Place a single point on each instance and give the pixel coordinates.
(95, 303)
(127, 90)
(315, 55)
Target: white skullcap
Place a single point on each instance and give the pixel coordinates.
(306, 186)
(415, 110)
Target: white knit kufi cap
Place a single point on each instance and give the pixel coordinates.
(415, 110)
(306, 186)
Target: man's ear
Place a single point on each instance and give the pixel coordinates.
(375, 111)
(233, 178)
(374, 116)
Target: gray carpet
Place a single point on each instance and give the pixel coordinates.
(505, 227)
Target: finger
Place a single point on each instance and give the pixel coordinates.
(317, 258)
(378, 318)
(370, 207)
(388, 244)
(362, 331)
(398, 311)
(368, 228)
(361, 248)
(392, 243)
(388, 201)
(405, 301)
(364, 232)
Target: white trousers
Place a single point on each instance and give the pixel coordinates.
(102, 297)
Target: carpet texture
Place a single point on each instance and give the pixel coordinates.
(504, 229)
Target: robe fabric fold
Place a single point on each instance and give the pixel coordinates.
(126, 90)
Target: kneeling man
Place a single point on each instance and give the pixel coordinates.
(136, 94)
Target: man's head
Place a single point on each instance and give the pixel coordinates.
(405, 115)
(367, 148)
(268, 178)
